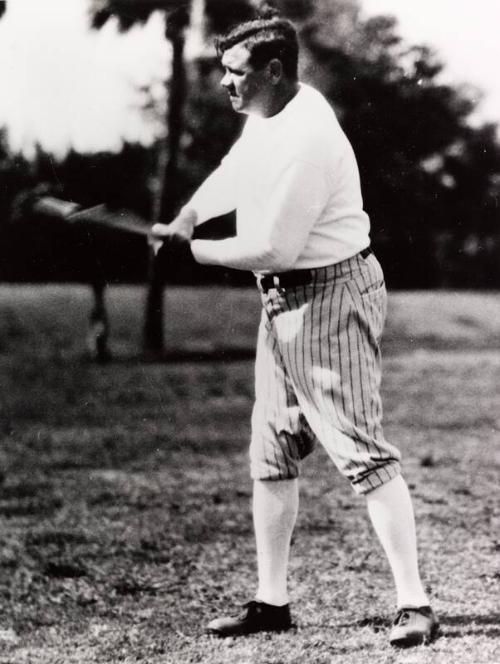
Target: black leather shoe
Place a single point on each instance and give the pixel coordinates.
(255, 617)
(414, 626)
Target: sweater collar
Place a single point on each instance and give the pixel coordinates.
(269, 123)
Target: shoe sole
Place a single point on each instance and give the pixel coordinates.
(411, 642)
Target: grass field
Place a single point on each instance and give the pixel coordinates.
(124, 509)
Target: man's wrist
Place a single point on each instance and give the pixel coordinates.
(186, 221)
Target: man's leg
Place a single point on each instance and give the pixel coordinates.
(280, 440)
(391, 512)
(275, 507)
(335, 369)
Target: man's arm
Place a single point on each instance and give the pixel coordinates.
(298, 197)
(215, 196)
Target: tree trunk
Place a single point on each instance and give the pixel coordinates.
(98, 332)
(165, 204)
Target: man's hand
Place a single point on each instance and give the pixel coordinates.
(180, 230)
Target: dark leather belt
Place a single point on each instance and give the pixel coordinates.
(295, 277)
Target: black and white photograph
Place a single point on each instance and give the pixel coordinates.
(249, 332)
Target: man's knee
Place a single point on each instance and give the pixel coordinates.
(272, 469)
(277, 455)
(375, 477)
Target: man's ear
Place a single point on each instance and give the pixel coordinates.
(275, 69)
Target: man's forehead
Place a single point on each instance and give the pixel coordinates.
(235, 57)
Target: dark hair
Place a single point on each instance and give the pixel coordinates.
(265, 38)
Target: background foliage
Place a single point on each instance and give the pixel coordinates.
(431, 179)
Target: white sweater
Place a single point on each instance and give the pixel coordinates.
(294, 183)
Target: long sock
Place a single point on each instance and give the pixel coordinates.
(275, 507)
(391, 512)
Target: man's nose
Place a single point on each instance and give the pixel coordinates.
(226, 80)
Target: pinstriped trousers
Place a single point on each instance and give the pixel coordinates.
(318, 376)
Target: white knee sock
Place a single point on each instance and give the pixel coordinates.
(275, 507)
(390, 509)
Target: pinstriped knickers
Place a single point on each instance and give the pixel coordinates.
(318, 376)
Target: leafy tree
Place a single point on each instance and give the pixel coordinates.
(470, 236)
(401, 120)
(15, 175)
(431, 181)
(66, 252)
(128, 13)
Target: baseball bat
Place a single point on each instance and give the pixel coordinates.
(98, 214)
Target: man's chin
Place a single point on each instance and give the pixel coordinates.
(236, 103)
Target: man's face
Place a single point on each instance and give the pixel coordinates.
(249, 89)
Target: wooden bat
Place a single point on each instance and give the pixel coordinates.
(122, 220)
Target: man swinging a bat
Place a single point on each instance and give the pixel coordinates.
(293, 180)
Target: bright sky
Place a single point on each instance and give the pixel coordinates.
(62, 85)
(465, 34)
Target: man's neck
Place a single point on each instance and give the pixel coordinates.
(283, 96)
